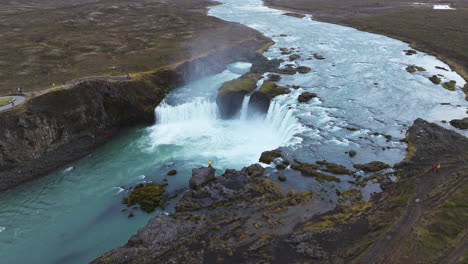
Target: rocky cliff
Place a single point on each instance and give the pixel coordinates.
(60, 126)
(247, 217)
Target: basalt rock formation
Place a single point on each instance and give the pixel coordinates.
(247, 217)
(231, 94)
(60, 126)
(260, 99)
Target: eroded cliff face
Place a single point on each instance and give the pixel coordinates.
(60, 126)
(249, 217)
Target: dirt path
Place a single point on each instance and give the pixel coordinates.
(394, 240)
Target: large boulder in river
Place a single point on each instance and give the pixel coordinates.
(460, 123)
(201, 176)
(260, 99)
(306, 96)
(232, 93)
(261, 64)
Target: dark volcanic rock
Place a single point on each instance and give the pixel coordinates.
(268, 156)
(244, 217)
(294, 15)
(294, 57)
(201, 176)
(148, 196)
(260, 99)
(274, 77)
(460, 123)
(303, 69)
(372, 166)
(55, 128)
(306, 96)
(352, 153)
(172, 172)
(261, 64)
(231, 94)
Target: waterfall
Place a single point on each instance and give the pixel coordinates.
(200, 109)
(282, 120)
(245, 107)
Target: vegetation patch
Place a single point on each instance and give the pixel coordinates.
(246, 84)
(5, 100)
(267, 157)
(414, 68)
(311, 169)
(460, 123)
(445, 223)
(435, 79)
(337, 169)
(148, 196)
(372, 166)
(449, 85)
(272, 90)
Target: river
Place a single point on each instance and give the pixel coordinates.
(74, 214)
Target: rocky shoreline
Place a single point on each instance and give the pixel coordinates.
(61, 126)
(248, 217)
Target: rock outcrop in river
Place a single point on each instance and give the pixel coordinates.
(245, 217)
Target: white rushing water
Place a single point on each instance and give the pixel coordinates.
(361, 84)
(194, 125)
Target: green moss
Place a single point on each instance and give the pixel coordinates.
(148, 196)
(353, 195)
(435, 79)
(310, 169)
(337, 169)
(449, 85)
(246, 84)
(272, 90)
(446, 223)
(372, 166)
(414, 68)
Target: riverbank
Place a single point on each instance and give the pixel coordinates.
(64, 41)
(441, 33)
(248, 216)
(62, 124)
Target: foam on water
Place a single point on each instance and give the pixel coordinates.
(362, 83)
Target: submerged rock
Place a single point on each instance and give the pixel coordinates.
(294, 57)
(460, 123)
(274, 77)
(372, 166)
(294, 15)
(311, 170)
(148, 196)
(352, 153)
(306, 96)
(231, 94)
(172, 172)
(260, 99)
(303, 69)
(318, 57)
(201, 176)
